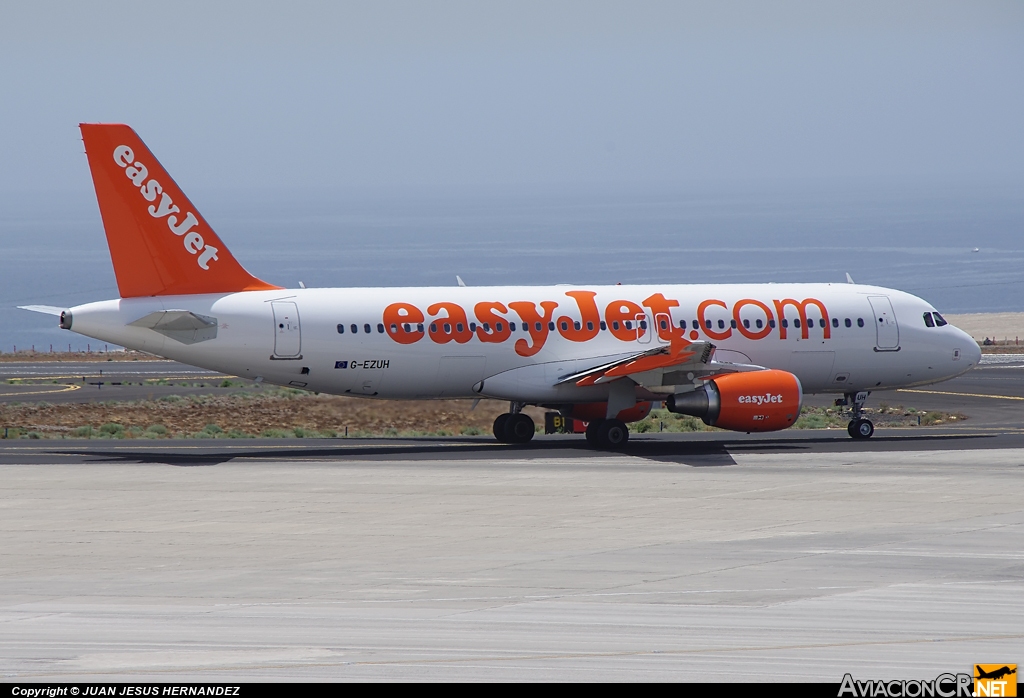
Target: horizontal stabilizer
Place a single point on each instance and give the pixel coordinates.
(180, 325)
(47, 309)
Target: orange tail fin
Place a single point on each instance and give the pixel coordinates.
(159, 243)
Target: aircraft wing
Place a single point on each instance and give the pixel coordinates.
(679, 362)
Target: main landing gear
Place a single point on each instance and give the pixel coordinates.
(514, 427)
(610, 434)
(859, 427)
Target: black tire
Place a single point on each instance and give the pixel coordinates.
(499, 427)
(861, 429)
(612, 434)
(592, 429)
(519, 429)
(850, 430)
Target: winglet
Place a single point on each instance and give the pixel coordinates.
(159, 243)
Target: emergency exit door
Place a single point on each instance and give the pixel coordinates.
(287, 332)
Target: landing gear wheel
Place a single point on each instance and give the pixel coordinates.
(519, 429)
(592, 428)
(612, 434)
(499, 427)
(861, 428)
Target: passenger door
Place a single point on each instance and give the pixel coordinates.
(887, 336)
(287, 332)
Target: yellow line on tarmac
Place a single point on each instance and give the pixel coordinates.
(156, 377)
(941, 392)
(65, 389)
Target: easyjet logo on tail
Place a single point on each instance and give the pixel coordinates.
(150, 189)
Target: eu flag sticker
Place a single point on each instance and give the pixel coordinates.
(341, 364)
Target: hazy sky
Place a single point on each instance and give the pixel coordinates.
(521, 94)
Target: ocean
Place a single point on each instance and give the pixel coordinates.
(918, 239)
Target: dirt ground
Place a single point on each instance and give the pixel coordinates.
(77, 356)
(276, 412)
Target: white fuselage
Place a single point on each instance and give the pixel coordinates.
(838, 338)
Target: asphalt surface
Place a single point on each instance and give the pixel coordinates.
(791, 556)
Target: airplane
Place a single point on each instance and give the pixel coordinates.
(738, 356)
(995, 674)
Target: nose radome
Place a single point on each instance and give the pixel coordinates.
(969, 349)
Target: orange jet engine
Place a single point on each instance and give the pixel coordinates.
(758, 401)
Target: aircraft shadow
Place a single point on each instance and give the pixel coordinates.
(678, 452)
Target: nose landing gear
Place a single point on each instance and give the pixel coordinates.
(859, 427)
(514, 427)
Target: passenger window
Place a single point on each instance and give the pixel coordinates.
(498, 326)
(447, 328)
(433, 327)
(758, 323)
(643, 324)
(419, 327)
(796, 323)
(551, 327)
(565, 325)
(928, 322)
(746, 323)
(394, 328)
(785, 322)
(603, 326)
(512, 326)
(576, 324)
(682, 324)
(821, 322)
(380, 328)
(487, 327)
(664, 324)
(696, 325)
(860, 322)
(835, 322)
(366, 328)
(732, 324)
(939, 320)
(355, 329)
(721, 324)
(537, 326)
(458, 327)
(629, 324)
(615, 324)
(590, 325)
(406, 327)
(847, 322)
(771, 323)
(341, 329)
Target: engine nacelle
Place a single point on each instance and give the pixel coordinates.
(756, 401)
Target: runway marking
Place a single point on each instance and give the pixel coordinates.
(65, 389)
(942, 392)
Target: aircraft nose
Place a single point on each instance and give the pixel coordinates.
(970, 351)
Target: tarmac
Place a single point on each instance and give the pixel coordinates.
(797, 556)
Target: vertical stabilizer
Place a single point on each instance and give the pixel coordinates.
(159, 243)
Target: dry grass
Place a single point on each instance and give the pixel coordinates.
(268, 412)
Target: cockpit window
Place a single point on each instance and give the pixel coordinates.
(939, 320)
(928, 320)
